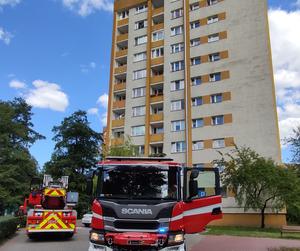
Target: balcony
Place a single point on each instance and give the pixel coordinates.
(118, 123)
(157, 117)
(121, 53)
(158, 43)
(122, 37)
(121, 69)
(156, 138)
(123, 22)
(158, 11)
(157, 98)
(157, 61)
(120, 104)
(119, 87)
(157, 27)
(157, 79)
(117, 142)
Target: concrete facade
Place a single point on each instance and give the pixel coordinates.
(240, 45)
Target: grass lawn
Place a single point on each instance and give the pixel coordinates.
(250, 232)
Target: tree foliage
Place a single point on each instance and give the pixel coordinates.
(294, 142)
(125, 150)
(17, 166)
(76, 151)
(259, 183)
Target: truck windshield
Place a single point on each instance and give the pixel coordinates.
(138, 182)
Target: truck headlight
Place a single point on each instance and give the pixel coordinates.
(97, 237)
(175, 239)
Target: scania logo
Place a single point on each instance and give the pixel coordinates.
(136, 211)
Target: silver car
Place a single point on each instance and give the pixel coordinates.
(87, 219)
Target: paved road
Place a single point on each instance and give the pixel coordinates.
(195, 243)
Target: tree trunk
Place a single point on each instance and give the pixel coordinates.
(262, 213)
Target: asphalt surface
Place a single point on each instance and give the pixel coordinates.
(79, 242)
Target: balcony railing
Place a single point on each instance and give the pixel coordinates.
(117, 141)
(157, 79)
(157, 98)
(122, 37)
(121, 69)
(119, 104)
(157, 117)
(157, 138)
(121, 53)
(119, 87)
(158, 11)
(123, 22)
(118, 123)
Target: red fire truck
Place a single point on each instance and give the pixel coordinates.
(52, 208)
(150, 204)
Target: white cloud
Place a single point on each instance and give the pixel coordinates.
(93, 111)
(16, 84)
(104, 119)
(87, 7)
(286, 50)
(9, 2)
(103, 100)
(5, 36)
(87, 68)
(47, 95)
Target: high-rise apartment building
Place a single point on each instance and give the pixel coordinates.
(191, 78)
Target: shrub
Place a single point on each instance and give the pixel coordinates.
(8, 226)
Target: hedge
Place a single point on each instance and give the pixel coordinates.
(8, 226)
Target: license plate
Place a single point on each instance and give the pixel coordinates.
(135, 243)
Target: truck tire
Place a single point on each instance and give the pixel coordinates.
(31, 236)
(86, 225)
(69, 235)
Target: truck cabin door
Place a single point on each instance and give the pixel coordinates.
(202, 199)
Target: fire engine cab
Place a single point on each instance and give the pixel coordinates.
(150, 204)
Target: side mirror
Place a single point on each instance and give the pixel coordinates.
(193, 188)
(194, 174)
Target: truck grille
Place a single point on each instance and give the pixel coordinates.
(151, 225)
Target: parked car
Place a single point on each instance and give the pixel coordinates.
(87, 219)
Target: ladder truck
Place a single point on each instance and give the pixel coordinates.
(150, 204)
(52, 211)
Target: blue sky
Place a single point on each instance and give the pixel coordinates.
(56, 54)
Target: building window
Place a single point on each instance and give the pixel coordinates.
(198, 123)
(123, 15)
(216, 98)
(139, 74)
(197, 101)
(158, 35)
(177, 105)
(156, 53)
(215, 77)
(177, 66)
(213, 38)
(141, 24)
(198, 145)
(139, 92)
(139, 56)
(213, 19)
(178, 125)
(218, 143)
(195, 24)
(138, 131)
(196, 61)
(140, 40)
(141, 9)
(176, 30)
(194, 6)
(214, 57)
(195, 42)
(138, 111)
(176, 13)
(217, 120)
(177, 85)
(141, 150)
(196, 81)
(178, 147)
(175, 48)
(212, 2)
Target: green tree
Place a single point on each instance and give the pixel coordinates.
(294, 142)
(17, 166)
(257, 182)
(125, 150)
(76, 151)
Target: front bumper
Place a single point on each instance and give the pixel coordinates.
(94, 247)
